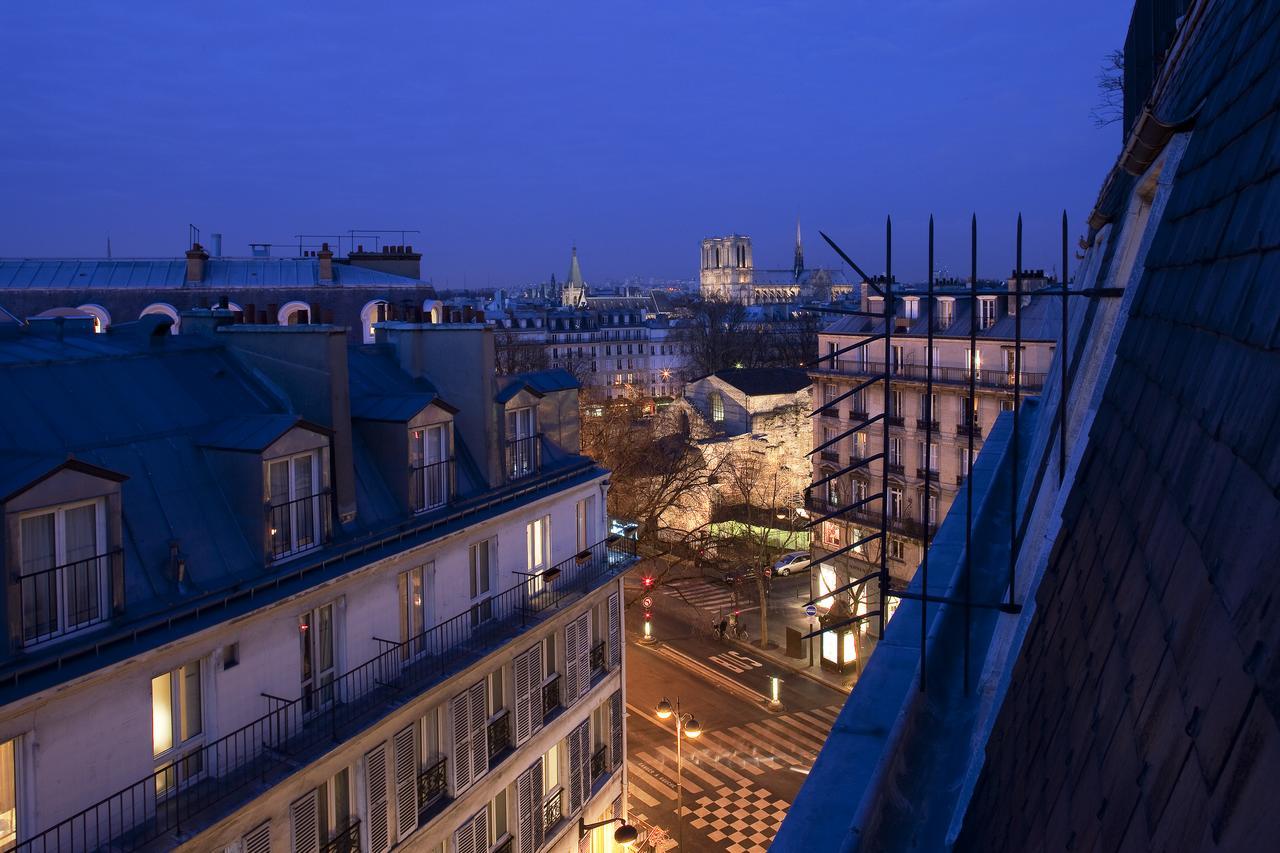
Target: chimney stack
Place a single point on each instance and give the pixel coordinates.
(326, 264)
(196, 257)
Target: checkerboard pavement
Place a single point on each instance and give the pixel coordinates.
(743, 818)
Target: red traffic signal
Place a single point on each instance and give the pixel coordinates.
(647, 616)
(647, 581)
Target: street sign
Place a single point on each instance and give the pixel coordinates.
(648, 602)
(811, 610)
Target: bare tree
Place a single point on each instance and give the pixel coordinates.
(1110, 106)
(515, 355)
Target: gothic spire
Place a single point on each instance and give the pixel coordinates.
(575, 272)
(798, 266)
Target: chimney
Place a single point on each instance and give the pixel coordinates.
(196, 256)
(466, 380)
(217, 245)
(326, 264)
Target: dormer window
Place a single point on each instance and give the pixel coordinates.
(946, 313)
(986, 312)
(430, 467)
(297, 505)
(66, 573)
(522, 442)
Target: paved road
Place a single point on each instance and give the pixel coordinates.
(743, 772)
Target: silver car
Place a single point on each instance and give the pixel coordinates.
(787, 564)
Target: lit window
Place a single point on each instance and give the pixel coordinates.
(551, 769)
(537, 540)
(298, 517)
(176, 719)
(717, 407)
(413, 608)
(8, 793)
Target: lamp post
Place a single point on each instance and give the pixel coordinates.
(686, 726)
(625, 835)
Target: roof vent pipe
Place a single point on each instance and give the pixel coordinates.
(217, 245)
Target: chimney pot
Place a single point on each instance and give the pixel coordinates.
(326, 264)
(196, 257)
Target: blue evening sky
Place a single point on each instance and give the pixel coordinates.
(506, 132)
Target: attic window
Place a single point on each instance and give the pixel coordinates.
(986, 312)
(65, 574)
(717, 407)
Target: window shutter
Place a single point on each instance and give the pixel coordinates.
(406, 782)
(257, 840)
(615, 631)
(584, 655)
(529, 808)
(304, 816)
(615, 728)
(528, 669)
(570, 686)
(479, 735)
(375, 768)
(459, 710)
(578, 746)
(473, 835)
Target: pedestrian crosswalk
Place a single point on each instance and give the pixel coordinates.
(715, 599)
(729, 778)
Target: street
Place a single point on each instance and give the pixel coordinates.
(741, 774)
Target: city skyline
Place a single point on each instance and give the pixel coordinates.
(506, 139)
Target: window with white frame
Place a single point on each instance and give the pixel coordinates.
(972, 359)
(431, 473)
(9, 763)
(895, 451)
(415, 588)
(897, 551)
(177, 721)
(522, 450)
(584, 522)
(481, 558)
(911, 307)
(932, 461)
(318, 646)
(537, 541)
(63, 571)
(896, 410)
(895, 502)
(498, 819)
(297, 518)
(986, 312)
(946, 313)
(831, 534)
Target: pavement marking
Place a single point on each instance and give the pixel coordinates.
(640, 794)
(690, 766)
(708, 672)
(734, 752)
(705, 755)
(797, 735)
(785, 749)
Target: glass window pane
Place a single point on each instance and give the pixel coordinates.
(278, 481)
(8, 794)
(37, 543)
(81, 532)
(189, 700)
(326, 637)
(161, 714)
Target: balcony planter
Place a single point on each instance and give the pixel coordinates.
(583, 557)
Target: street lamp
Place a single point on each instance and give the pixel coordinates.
(625, 835)
(686, 726)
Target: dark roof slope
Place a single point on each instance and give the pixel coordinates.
(761, 381)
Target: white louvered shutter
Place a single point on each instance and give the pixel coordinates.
(569, 690)
(405, 745)
(257, 840)
(524, 813)
(304, 816)
(528, 709)
(615, 631)
(584, 655)
(460, 711)
(535, 773)
(476, 699)
(615, 729)
(375, 769)
(473, 835)
(578, 773)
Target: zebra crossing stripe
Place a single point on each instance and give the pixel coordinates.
(797, 736)
(691, 767)
(705, 756)
(638, 775)
(734, 753)
(822, 723)
(782, 748)
(640, 794)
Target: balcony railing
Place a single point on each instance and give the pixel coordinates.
(830, 455)
(433, 783)
(524, 456)
(599, 763)
(431, 485)
(896, 468)
(868, 515)
(945, 375)
(551, 696)
(895, 420)
(71, 597)
(921, 423)
(257, 755)
(298, 525)
(932, 474)
(346, 841)
(857, 415)
(597, 657)
(499, 733)
(552, 811)
(964, 429)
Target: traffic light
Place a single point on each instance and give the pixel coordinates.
(647, 581)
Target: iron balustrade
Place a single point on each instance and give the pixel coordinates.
(71, 597)
(597, 657)
(969, 429)
(291, 734)
(869, 516)
(346, 841)
(552, 811)
(895, 420)
(298, 525)
(858, 415)
(499, 734)
(896, 468)
(433, 783)
(524, 456)
(948, 375)
(921, 423)
(830, 456)
(599, 763)
(431, 485)
(932, 473)
(551, 696)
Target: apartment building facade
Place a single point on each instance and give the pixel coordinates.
(269, 591)
(847, 470)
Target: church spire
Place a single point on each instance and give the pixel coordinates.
(798, 266)
(575, 272)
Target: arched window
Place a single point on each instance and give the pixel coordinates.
(101, 317)
(294, 314)
(167, 310)
(374, 311)
(717, 407)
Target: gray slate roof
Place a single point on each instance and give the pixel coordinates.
(83, 273)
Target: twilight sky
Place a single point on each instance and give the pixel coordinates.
(506, 132)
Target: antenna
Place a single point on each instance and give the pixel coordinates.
(193, 236)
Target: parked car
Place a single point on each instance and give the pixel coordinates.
(745, 572)
(796, 561)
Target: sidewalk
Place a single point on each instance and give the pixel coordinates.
(777, 655)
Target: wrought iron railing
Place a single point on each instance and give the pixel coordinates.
(551, 696)
(895, 420)
(922, 423)
(499, 734)
(869, 516)
(289, 736)
(966, 429)
(431, 485)
(70, 597)
(830, 455)
(524, 456)
(945, 375)
(298, 525)
(599, 762)
(597, 657)
(552, 810)
(932, 473)
(896, 468)
(346, 841)
(433, 783)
